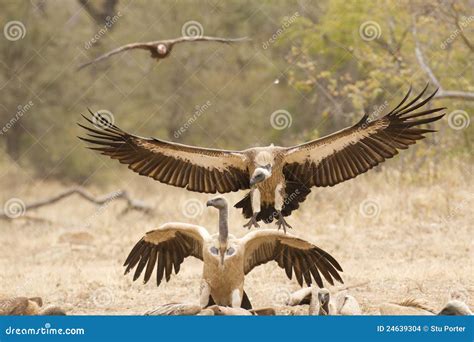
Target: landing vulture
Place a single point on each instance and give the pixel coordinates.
(279, 178)
(160, 49)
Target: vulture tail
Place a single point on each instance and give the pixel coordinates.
(295, 193)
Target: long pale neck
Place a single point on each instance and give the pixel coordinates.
(223, 225)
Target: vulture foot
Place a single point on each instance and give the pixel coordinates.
(281, 222)
(252, 222)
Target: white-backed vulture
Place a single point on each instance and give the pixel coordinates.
(227, 259)
(189, 309)
(323, 304)
(279, 178)
(410, 306)
(23, 306)
(455, 308)
(160, 49)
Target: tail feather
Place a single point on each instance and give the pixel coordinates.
(295, 194)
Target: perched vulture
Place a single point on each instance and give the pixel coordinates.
(279, 178)
(227, 260)
(160, 49)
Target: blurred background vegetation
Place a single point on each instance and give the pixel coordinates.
(315, 59)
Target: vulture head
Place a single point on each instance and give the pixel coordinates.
(162, 50)
(260, 174)
(323, 299)
(218, 202)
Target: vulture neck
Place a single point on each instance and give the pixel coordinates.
(223, 232)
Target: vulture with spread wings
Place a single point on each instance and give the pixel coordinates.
(227, 260)
(279, 178)
(160, 49)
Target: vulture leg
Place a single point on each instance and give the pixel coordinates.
(205, 298)
(252, 222)
(281, 222)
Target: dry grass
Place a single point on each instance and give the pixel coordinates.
(419, 245)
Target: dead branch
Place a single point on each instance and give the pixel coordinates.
(442, 93)
(132, 204)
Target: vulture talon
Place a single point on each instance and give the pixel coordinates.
(282, 222)
(252, 222)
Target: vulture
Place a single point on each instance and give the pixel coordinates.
(322, 304)
(191, 309)
(227, 260)
(455, 308)
(408, 307)
(24, 306)
(160, 49)
(279, 178)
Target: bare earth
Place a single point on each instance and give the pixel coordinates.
(408, 234)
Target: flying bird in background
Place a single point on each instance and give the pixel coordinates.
(160, 49)
(279, 178)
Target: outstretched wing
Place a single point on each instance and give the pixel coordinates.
(352, 151)
(208, 39)
(291, 253)
(167, 247)
(194, 168)
(145, 46)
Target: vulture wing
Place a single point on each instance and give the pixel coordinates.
(145, 46)
(208, 39)
(352, 151)
(291, 253)
(167, 247)
(194, 168)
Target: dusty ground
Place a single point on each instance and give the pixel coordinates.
(417, 242)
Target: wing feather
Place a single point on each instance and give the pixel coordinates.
(355, 150)
(292, 254)
(166, 247)
(194, 168)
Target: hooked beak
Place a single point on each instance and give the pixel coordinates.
(209, 203)
(252, 181)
